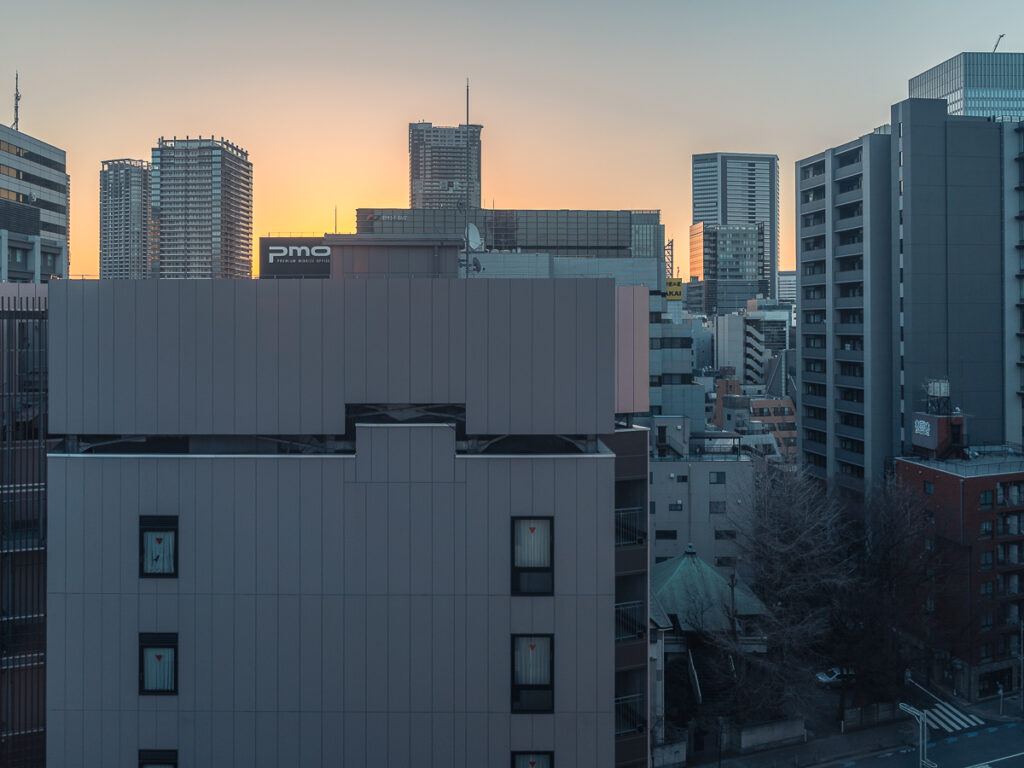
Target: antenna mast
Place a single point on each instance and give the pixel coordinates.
(998, 39)
(17, 98)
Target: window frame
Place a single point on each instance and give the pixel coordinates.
(517, 687)
(151, 524)
(148, 757)
(539, 752)
(157, 640)
(713, 478)
(514, 587)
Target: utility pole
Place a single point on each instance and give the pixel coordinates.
(922, 725)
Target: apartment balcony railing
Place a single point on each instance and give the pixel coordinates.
(630, 526)
(630, 715)
(630, 620)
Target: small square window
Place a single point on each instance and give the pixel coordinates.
(682, 478)
(985, 529)
(986, 588)
(716, 507)
(666, 534)
(929, 488)
(986, 561)
(532, 556)
(716, 478)
(158, 664)
(725, 533)
(675, 506)
(533, 759)
(533, 672)
(158, 547)
(158, 758)
(985, 500)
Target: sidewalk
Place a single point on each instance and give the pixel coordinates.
(824, 751)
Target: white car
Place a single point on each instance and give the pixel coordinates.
(835, 676)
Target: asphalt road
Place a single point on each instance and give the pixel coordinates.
(998, 745)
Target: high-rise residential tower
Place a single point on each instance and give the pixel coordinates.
(731, 188)
(34, 174)
(126, 234)
(444, 166)
(976, 84)
(202, 208)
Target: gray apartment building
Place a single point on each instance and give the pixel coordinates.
(351, 521)
(33, 174)
(737, 188)
(127, 234)
(444, 166)
(908, 263)
(202, 208)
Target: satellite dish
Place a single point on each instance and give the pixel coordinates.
(473, 240)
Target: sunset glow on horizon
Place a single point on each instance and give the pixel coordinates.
(595, 105)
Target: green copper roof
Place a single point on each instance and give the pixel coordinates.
(698, 596)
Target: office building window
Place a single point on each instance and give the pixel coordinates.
(682, 478)
(158, 758)
(676, 506)
(533, 673)
(716, 478)
(158, 664)
(929, 488)
(985, 529)
(533, 759)
(666, 534)
(986, 561)
(158, 547)
(532, 556)
(985, 500)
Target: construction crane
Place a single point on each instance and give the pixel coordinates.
(997, 43)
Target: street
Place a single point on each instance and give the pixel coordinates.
(999, 746)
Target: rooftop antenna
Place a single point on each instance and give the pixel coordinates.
(997, 42)
(17, 98)
(335, 219)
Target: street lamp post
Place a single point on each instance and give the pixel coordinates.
(922, 726)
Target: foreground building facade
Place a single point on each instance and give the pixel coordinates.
(395, 544)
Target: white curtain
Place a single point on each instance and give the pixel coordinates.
(158, 669)
(533, 543)
(158, 556)
(533, 761)
(533, 660)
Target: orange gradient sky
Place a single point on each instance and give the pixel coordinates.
(584, 104)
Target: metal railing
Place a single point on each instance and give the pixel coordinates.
(630, 714)
(630, 526)
(630, 620)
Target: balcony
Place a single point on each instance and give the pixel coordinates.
(848, 276)
(815, 471)
(857, 355)
(818, 279)
(845, 430)
(812, 230)
(850, 457)
(630, 621)
(848, 197)
(810, 423)
(813, 206)
(630, 715)
(815, 400)
(849, 406)
(843, 329)
(850, 482)
(850, 381)
(845, 171)
(812, 303)
(849, 302)
(814, 376)
(630, 526)
(850, 249)
(810, 254)
(850, 222)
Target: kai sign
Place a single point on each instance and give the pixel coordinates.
(674, 289)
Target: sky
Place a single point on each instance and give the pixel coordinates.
(584, 104)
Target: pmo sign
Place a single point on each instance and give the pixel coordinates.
(294, 257)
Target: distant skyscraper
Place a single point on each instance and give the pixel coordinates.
(726, 259)
(787, 286)
(33, 243)
(976, 84)
(202, 207)
(741, 189)
(438, 158)
(125, 231)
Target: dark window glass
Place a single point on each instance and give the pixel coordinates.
(158, 547)
(533, 673)
(716, 478)
(158, 758)
(158, 663)
(666, 534)
(985, 500)
(532, 556)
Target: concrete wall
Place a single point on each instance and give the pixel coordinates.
(330, 610)
(285, 356)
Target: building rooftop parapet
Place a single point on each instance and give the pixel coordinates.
(977, 461)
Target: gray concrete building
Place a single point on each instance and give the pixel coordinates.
(127, 235)
(347, 521)
(33, 244)
(444, 166)
(787, 286)
(737, 188)
(202, 208)
(976, 84)
(907, 265)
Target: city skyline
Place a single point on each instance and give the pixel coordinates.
(585, 138)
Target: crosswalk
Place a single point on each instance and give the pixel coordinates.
(946, 717)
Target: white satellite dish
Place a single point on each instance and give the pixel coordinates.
(473, 239)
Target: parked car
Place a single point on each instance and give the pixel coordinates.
(836, 676)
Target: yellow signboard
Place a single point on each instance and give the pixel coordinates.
(674, 288)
